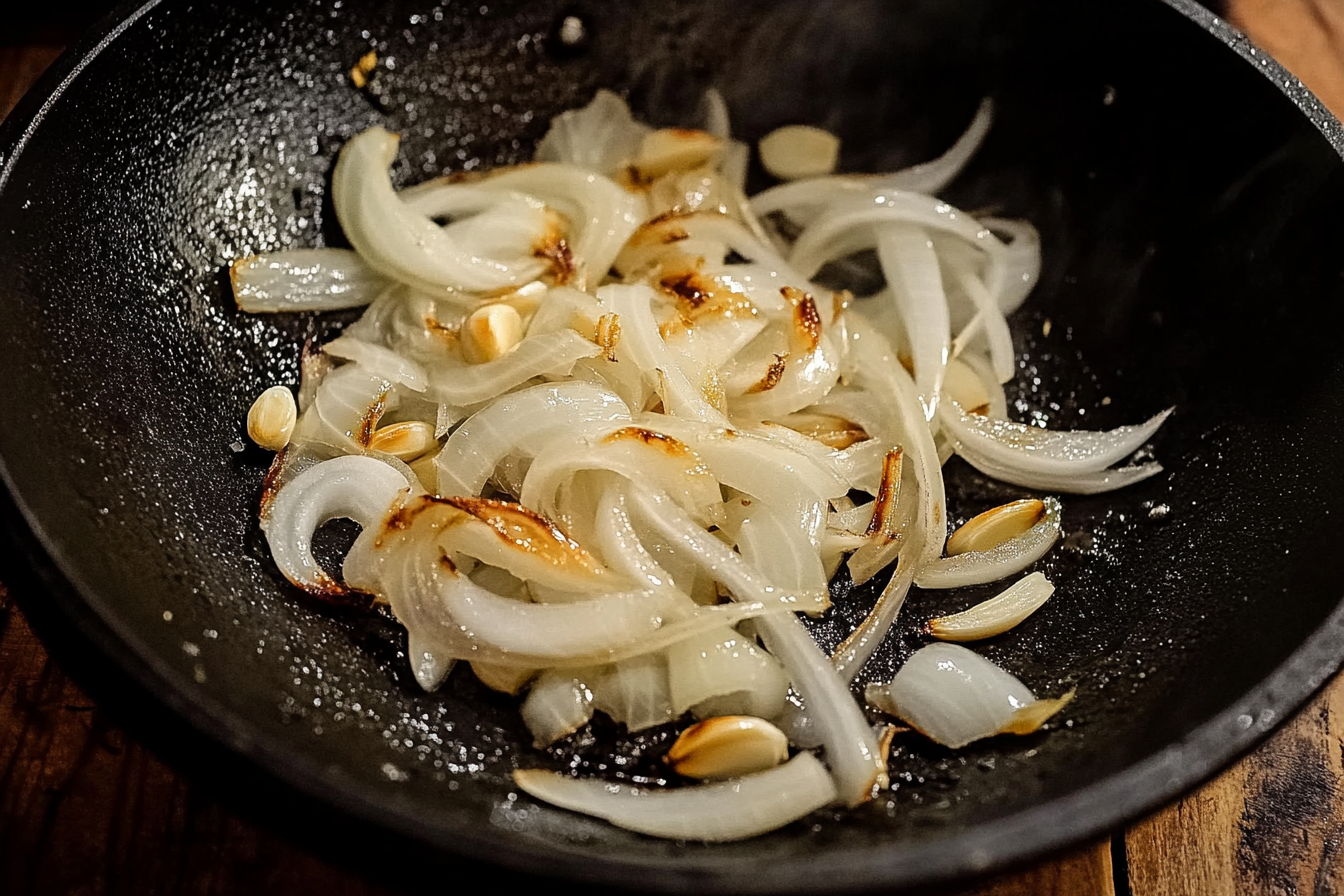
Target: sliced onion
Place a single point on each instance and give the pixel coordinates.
(457, 383)
(727, 810)
(911, 268)
(848, 227)
(658, 513)
(1072, 483)
(996, 615)
(557, 705)
(955, 696)
(1035, 450)
(643, 348)
(850, 657)
(520, 424)
(602, 136)
(725, 673)
(639, 454)
(352, 487)
(380, 361)
(304, 280)
(635, 692)
(408, 246)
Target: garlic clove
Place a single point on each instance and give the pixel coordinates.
(406, 441)
(676, 149)
(995, 526)
(728, 747)
(491, 332)
(271, 419)
(796, 151)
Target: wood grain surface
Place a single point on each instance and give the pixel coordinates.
(87, 808)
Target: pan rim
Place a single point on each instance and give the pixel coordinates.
(1086, 813)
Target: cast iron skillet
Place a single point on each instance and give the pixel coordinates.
(1188, 210)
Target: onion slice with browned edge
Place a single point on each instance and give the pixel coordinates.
(350, 487)
(955, 696)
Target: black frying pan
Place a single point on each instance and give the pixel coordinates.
(1188, 210)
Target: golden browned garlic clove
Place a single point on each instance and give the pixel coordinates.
(675, 149)
(406, 441)
(491, 332)
(965, 388)
(505, 679)
(728, 747)
(270, 421)
(995, 526)
(796, 151)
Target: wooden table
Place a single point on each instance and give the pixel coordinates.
(87, 807)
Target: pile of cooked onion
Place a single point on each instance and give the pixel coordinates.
(606, 437)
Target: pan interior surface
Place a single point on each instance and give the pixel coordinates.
(1188, 215)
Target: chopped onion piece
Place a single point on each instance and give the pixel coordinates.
(556, 706)
(729, 810)
(521, 424)
(955, 696)
(380, 361)
(725, 673)
(549, 354)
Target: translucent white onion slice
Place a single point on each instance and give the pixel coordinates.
(829, 712)
(352, 487)
(996, 615)
(911, 268)
(725, 673)
(304, 280)
(955, 696)
(774, 469)
(403, 244)
(642, 346)
(1072, 483)
(379, 360)
(556, 706)
(635, 692)
(1035, 450)
(1013, 556)
(641, 455)
(507, 535)
(727, 810)
(457, 619)
(602, 136)
(850, 657)
(781, 545)
(457, 383)
(656, 512)
(1013, 280)
(620, 544)
(601, 215)
(879, 370)
(520, 424)
(847, 227)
